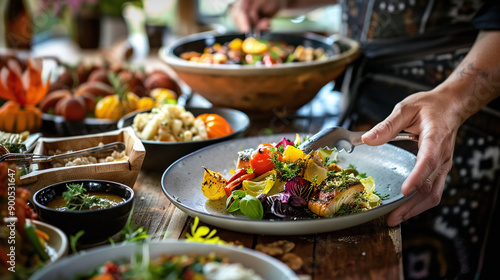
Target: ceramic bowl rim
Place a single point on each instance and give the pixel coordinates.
(206, 141)
(63, 250)
(167, 55)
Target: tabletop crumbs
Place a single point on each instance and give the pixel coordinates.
(348, 239)
(281, 250)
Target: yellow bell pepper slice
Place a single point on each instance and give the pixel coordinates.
(235, 44)
(253, 46)
(293, 153)
(213, 185)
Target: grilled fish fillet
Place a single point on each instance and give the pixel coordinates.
(327, 201)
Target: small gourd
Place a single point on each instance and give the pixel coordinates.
(23, 91)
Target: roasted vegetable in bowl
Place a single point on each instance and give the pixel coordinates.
(279, 181)
(279, 89)
(253, 51)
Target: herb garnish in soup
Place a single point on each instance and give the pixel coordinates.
(77, 198)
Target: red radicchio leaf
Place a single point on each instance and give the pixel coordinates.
(285, 142)
(299, 190)
(285, 210)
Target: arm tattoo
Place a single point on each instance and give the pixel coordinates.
(468, 69)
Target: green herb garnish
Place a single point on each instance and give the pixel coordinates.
(382, 197)
(77, 198)
(131, 233)
(73, 240)
(287, 170)
(248, 205)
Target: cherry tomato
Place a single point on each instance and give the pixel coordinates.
(261, 159)
(249, 59)
(268, 60)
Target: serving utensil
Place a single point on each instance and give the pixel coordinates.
(342, 139)
(26, 159)
(3, 150)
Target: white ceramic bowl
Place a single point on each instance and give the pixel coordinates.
(266, 266)
(57, 244)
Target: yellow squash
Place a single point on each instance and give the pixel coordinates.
(113, 107)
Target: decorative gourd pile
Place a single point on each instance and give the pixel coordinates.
(106, 92)
(23, 91)
(87, 90)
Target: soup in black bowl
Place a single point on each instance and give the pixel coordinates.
(101, 213)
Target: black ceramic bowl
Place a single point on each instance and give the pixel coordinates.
(99, 225)
(58, 126)
(160, 155)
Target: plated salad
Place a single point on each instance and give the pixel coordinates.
(255, 51)
(187, 266)
(280, 181)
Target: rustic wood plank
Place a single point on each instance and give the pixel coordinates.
(371, 251)
(152, 209)
(303, 249)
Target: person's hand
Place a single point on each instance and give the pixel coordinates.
(436, 116)
(431, 116)
(254, 15)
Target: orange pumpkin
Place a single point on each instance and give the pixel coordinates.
(216, 125)
(16, 119)
(24, 91)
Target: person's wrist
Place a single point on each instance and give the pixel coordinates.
(286, 4)
(283, 4)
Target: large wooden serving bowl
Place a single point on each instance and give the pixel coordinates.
(250, 88)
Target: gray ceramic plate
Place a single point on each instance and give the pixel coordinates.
(181, 182)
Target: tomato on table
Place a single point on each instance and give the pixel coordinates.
(216, 125)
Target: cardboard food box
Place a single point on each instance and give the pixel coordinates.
(124, 171)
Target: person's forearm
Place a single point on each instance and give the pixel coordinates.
(476, 80)
(305, 4)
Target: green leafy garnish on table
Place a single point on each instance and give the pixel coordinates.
(131, 233)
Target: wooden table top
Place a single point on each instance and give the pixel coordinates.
(368, 251)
